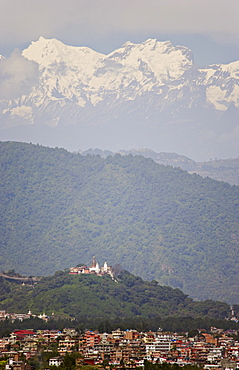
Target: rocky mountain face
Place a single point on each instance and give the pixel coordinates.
(140, 95)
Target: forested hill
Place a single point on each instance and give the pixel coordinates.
(90, 297)
(60, 208)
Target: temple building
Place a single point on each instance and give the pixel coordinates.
(93, 269)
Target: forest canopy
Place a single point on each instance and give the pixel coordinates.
(158, 222)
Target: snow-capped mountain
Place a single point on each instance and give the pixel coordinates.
(147, 94)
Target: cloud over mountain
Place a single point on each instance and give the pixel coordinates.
(17, 76)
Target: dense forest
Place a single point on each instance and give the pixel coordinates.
(218, 169)
(91, 296)
(159, 222)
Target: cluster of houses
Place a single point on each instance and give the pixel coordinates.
(23, 316)
(93, 269)
(123, 349)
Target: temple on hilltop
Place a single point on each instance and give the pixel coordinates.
(93, 269)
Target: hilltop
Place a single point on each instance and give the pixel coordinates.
(158, 222)
(91, 296)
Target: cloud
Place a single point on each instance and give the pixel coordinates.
(25, 20)
(17, 76)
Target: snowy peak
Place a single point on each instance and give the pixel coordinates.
(145, 93)
(49, 51)
(64, 69)
(162, 58)
(222, 84)
(89, 77)
(133, 70)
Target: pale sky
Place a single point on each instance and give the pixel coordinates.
(210, 28)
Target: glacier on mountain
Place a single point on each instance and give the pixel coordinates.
(147, 94)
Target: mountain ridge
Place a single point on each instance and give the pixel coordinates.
(147, 94)
(218, 169)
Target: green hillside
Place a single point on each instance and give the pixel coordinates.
(218, 169)
(159, 222)
(91, 296)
